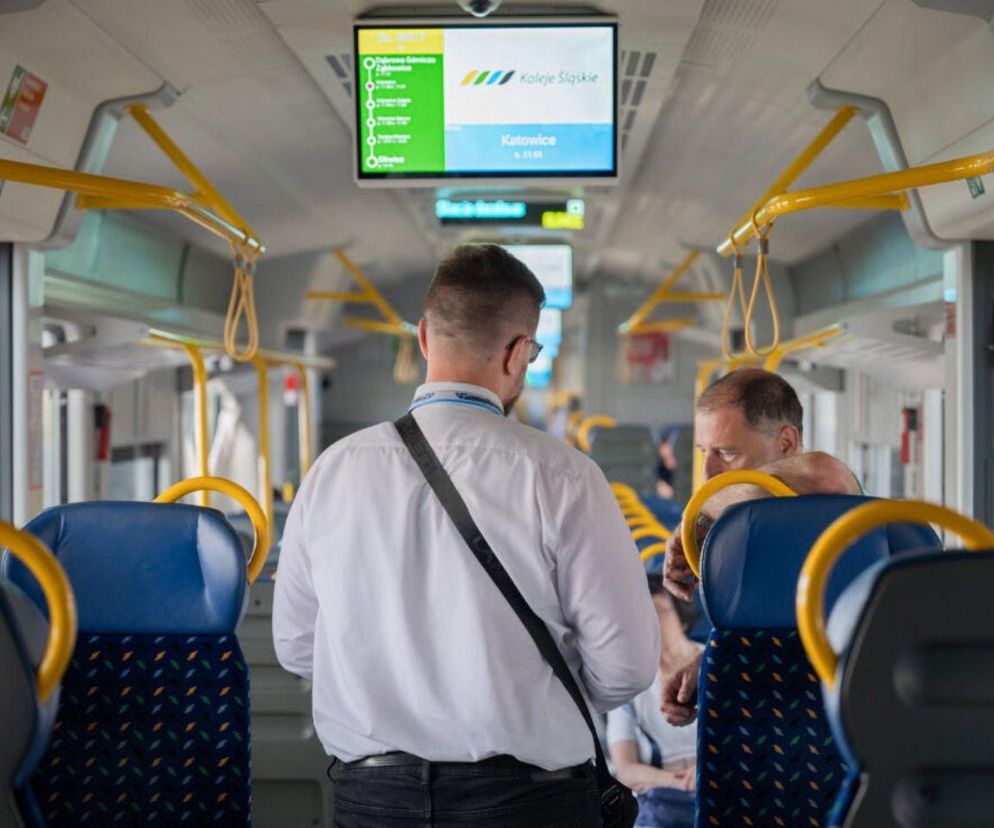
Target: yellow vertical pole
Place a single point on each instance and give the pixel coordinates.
(265, 469)
(199, 415)
(704, 371)
(305, 422)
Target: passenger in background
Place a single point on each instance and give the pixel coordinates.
(749, 419)
(427, 686)
(652, 757)
(666, 465)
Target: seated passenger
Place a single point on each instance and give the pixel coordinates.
(653, 758)
(749, 419)
(427, 687)
(666, 465)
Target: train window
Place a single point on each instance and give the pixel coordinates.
(138, 472)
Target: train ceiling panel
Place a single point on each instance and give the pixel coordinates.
(253, 120)
(933, 69)
(738, 115)
(41, 53)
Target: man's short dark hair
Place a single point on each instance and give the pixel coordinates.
(479, 293)
(766, 400)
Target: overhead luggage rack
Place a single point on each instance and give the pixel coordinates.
(204, 206)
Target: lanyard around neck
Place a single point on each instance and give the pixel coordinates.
(455, 397)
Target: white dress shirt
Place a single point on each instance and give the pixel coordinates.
(409, 644)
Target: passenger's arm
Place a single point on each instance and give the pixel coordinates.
(641, 777)
(603, 593)
(814, 472)
(295, 605)
(679, 701)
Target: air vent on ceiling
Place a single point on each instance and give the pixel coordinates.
(341, 65)
(636, 69)
(727, 30)
(242, 27)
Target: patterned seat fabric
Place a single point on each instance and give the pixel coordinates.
(151, 731)
(766, 754)
(153, 725)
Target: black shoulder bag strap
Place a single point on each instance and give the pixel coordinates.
(618, 806)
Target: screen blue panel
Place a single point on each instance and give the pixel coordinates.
(553, 265)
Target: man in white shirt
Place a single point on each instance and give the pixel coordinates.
(427, 687)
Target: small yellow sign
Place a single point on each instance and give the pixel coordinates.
(400, 41)
(556, 220)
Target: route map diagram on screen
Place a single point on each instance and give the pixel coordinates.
(527, 100)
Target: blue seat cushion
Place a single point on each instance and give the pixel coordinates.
(143, 567)
(766, 755)
(152, 730)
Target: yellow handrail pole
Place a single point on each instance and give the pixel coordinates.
(260, 523)
(200, 412)
(972, 166)
(898, 201)
(265, 469)
(374, 296)
(190, 171)
(376, 326)
(62, 619)
(102, 192)
(813, 581)
(843, 115)
(305, 422)
(772, 484)
(199, 401)
(590, 423)
(663, 326)
(337, 296)
(159, 335)
(649, 304)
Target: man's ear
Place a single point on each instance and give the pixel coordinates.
(423, 337)
(789, 440)
(514, 355)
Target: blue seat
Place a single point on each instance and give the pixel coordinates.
(153, 726)
(912, 706)
(25, 721)
(766, 756)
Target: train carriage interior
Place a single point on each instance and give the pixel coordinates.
(218, 222)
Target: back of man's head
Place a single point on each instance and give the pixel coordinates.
(766, 400)
(481, 296)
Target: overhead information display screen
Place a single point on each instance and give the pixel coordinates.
(486, 101)
(552, 265)
(558, 215)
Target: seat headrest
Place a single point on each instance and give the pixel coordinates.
(143, 567)
(752, 557)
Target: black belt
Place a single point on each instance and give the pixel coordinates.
(398, 759)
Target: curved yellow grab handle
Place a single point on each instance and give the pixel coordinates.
(837, 538)
(652, 551)
(260, 526)
(716, 484)
(62, 622)
(597, 421)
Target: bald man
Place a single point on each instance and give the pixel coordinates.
(749, 419)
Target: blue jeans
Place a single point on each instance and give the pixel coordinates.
(493, 793)
(666, 808)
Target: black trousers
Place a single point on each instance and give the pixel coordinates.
(493, 793)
